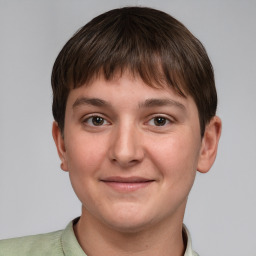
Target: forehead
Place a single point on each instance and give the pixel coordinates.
(120, 82)
(127, 90)
(156, 79)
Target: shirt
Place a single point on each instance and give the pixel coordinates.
(58, 243)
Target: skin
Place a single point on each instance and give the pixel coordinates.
(132, 153)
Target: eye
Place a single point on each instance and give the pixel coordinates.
(96, 121)
(159, 121)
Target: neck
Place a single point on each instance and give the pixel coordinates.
(163, 239)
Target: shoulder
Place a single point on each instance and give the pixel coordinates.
(36, 245)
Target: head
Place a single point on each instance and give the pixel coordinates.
(145, 42)
(134, 102)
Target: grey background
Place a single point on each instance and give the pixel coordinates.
(36, 196)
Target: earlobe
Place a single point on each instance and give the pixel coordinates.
(209, 146)
(60, 145)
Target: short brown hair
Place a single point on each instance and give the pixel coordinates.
(145, 41)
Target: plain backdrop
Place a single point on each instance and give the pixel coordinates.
(36, 196)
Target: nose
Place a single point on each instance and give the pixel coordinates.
(126, 146)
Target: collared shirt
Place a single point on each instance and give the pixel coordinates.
(189, 251)
(59, 243)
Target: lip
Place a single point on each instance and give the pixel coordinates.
(127, 184)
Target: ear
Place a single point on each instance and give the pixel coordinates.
(209, 145)
(60, 145)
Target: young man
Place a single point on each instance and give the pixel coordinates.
(134, 104)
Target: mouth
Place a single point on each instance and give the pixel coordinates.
(127, 184)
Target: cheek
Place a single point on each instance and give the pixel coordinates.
(85, 156)
(176, 157)
(84, 153)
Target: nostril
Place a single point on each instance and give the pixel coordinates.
(126, 160)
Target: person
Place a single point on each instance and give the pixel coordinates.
(134, 103)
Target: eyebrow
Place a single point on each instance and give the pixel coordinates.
(90, 101)
(160, 103)
(148, 103)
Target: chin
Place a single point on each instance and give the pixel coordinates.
(129, 223)
(129, 227)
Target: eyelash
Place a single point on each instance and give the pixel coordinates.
(89, 121)
(160, 118)
(102, 121)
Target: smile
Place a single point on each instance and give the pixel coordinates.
(127, 184)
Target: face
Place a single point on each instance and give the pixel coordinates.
(132, 151)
